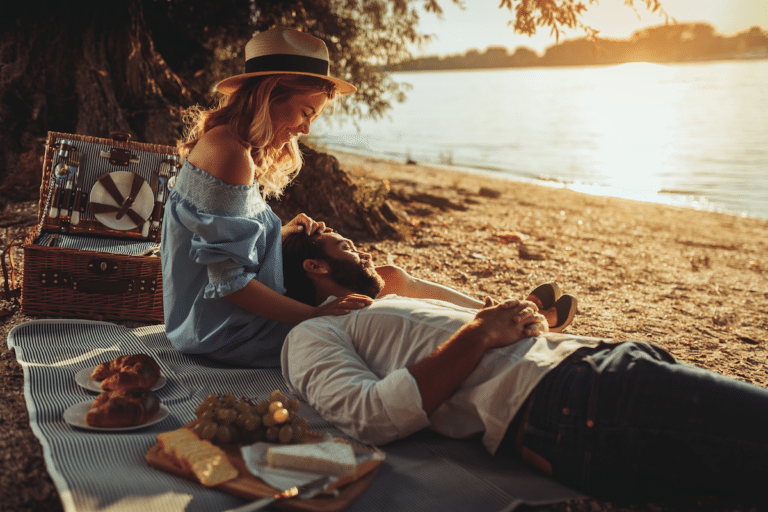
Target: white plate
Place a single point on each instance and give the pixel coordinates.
(83, 378)
(75, 416)
(143, 205)
(255, 458)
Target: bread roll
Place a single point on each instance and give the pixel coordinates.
(123, 408)
(127, 372)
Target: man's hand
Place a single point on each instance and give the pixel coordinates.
(501, 324)
(496, 325)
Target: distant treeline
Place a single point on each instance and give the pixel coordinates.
(683, 42)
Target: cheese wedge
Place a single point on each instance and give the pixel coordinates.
(327, 457)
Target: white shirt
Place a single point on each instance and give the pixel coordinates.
(352, 369)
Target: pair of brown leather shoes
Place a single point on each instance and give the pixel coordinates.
(550, 296)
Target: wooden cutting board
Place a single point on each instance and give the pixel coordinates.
(252, 488)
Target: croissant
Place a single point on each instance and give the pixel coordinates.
(123, 408)
(127, 372)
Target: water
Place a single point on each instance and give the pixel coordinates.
(686, 134)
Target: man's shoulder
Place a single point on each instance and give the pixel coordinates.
(342, 325)
(411, 304)
(321, 324)
(385, 310)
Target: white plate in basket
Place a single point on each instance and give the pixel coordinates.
(142, 205)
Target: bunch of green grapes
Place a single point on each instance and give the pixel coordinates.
(223, 419)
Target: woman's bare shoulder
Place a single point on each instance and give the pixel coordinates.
(222, 155)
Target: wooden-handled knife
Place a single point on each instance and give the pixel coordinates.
(66, 195)
(78, 204)
(152, 185)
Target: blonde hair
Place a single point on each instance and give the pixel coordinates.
(246, 112)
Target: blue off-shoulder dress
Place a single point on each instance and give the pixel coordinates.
(216, 238)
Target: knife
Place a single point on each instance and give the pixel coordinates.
(66, 198)
(83, 196)
(315, 485)
(153, 187)
(76, 203)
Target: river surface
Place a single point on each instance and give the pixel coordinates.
(688, 134)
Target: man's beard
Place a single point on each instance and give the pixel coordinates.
(356, 277)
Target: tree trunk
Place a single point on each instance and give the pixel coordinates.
(356, 207)
(90, 69)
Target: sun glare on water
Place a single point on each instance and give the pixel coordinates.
(633, 116)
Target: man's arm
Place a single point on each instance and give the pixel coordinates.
(321, 365)
(497, 325)
(400, 282)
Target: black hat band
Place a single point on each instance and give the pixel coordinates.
(286, 63)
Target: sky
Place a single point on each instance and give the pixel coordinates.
(482, 24)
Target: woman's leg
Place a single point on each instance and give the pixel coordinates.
(628, 421)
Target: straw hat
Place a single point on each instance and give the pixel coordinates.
(280, 51)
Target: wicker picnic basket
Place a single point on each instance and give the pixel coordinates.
(95, 251)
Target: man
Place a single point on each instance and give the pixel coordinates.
(611, 420)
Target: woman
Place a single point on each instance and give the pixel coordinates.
(221, 245)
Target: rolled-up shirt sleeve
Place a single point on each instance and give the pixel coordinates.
(321, 366)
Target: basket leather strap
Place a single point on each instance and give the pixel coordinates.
(138, 181)
(99, 208)
(109, 185)
(125, 203)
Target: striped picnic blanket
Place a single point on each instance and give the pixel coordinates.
(105, 471)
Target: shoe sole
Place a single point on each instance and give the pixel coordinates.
(566, 307)
(548, 294)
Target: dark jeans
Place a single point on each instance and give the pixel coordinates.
(628, 421)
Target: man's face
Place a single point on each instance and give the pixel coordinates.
(349, 267)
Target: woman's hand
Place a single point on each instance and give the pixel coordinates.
(343, 305)
(303, 222)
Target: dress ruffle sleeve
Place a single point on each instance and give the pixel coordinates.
(232, 233)
(231, 248)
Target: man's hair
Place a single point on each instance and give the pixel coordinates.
(298, 247)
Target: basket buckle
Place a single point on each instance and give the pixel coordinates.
(120, 157)
(102, 267)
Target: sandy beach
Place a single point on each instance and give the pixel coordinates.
(691, 281)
